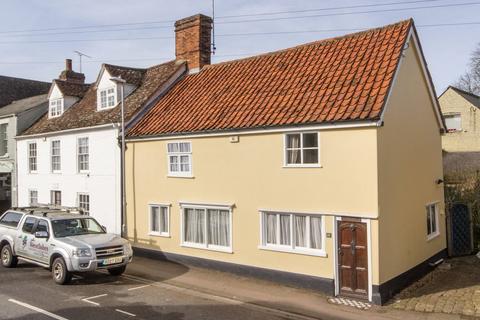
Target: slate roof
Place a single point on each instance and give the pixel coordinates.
(470, 97)
(334, 80)
(71, 89)
(12, 89)
(84, 113)
(22, 105)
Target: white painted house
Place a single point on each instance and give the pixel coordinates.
(71, 156)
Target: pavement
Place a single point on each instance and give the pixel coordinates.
(164, 290)
(451, 289)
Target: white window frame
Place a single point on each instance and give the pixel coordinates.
(158, 233)
(205, 245)
(108, 95)
(78, 155)
(30, 157)
(291, 248)
(4, 138)
(300, 165)
(456, 114)
(55, 108)
(59, 156)
(180, 174)
(80, 194)
(30, 202)
(428, 207)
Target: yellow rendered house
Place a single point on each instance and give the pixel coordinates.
(318, 166)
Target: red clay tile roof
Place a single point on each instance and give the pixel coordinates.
(339, 79)
(84, 113)
(71, 89)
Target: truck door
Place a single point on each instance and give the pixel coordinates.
(25, 237)
(39, 247)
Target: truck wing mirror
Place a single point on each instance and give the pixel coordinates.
(41, 234)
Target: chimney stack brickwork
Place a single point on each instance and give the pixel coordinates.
(193, 41)
(71, 76)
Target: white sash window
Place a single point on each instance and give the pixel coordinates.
(208, 227)
(293, 232)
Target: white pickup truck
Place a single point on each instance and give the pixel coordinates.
(61, 240)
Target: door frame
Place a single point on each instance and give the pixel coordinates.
(369, 255)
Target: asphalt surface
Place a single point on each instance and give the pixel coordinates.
(28, 292)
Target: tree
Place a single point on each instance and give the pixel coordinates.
(470, 81)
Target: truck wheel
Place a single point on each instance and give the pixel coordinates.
(8, 259)
(60, 273)
(117, 271)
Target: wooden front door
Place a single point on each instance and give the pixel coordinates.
(353, 258)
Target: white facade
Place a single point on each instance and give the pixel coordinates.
(101, 182)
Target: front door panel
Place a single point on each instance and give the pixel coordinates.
(353, 259)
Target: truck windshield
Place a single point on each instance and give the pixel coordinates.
(75, 227)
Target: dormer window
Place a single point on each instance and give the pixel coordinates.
(56, 108)
(107, 98)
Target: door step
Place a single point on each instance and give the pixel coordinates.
(350, 303)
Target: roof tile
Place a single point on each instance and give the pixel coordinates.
(340, 79)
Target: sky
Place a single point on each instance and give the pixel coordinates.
(36, 36)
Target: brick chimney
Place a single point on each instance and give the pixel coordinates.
(71, 76)
(193, 43)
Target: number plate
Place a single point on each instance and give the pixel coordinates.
(110, 261)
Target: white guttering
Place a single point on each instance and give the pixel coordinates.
(266, 130)
(52, 133)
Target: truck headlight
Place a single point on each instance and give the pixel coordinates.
(127, 249)
(82, 252)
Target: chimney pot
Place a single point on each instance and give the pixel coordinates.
(71, 76)
(68, 64)
(193, 41)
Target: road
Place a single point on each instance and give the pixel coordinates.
(28, 292)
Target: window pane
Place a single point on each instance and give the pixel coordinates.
(194, 224)
(3, 139)
(33, 197)
(293, 156)
(11, 219)
(172, 147)
(310, 156)
(429, 222)
(154, 211)
(164, 219)
(42, 226)
(28, 225)
(316, 232)
(219, 227)
(434, 219)
(185, 147)
(310, 140)
(184, 163)
(293, 140)
(453, 122)
(300, 231)
(173, 163)
(271, 228)
(285, 230)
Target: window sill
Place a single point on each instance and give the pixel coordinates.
(188, 176)
(84, 172)
(432, 236)
(158, 234)
(308, 252)
(209, 248)
(57, 172)
(302, 166)
(4, 156)
(32, 172)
